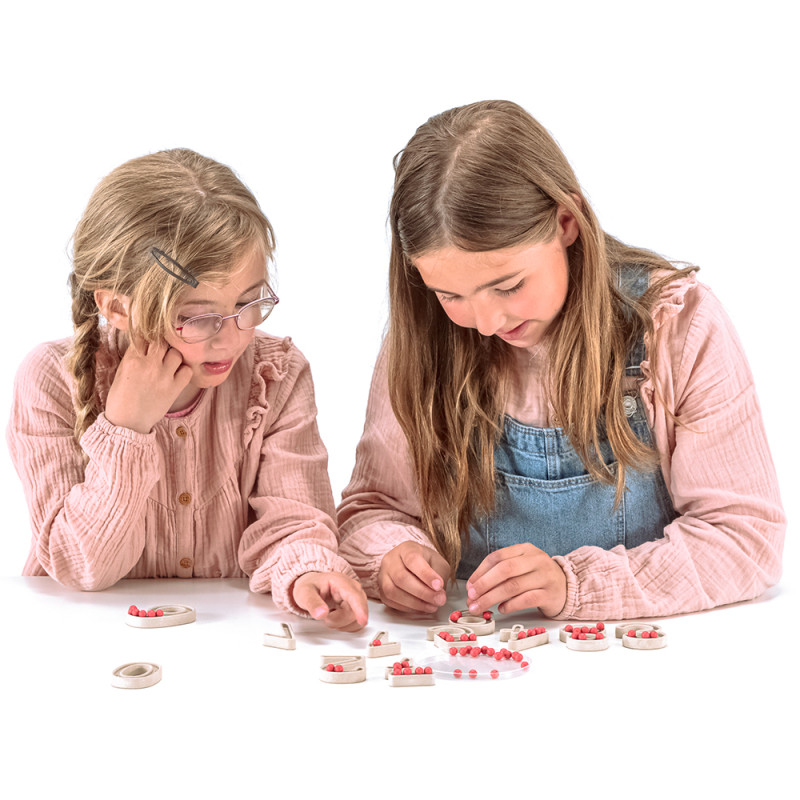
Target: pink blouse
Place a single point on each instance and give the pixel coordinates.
(725, 544)
(238, 486)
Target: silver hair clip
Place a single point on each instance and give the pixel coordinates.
(179, 272)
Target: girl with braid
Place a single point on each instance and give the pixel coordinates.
(168, 437)
(561, 420)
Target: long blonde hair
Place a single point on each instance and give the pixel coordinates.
(192, 208)
(483, 177)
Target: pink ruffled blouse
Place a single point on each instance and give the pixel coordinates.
(236, 487)
(725, 544)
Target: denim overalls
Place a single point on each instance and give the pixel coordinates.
(545, 496)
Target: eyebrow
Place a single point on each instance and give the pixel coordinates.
(190, 302)
(482, 286)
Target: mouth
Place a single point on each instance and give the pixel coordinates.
(217, 367)
(514, 333)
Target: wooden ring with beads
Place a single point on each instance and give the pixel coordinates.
(645, 640)
(480, 626)
(521, 638)
(587, 642)
(621, 631)
(171, 614)
(456, 631)
(343, 669)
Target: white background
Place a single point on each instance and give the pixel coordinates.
(679, 119)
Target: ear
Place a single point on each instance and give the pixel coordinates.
(114, 307)
(568, 230)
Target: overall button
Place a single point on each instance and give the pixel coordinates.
(181, 432)
(186, 563)
(629, 405)
(184, 499)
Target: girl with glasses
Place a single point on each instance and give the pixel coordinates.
(167, 437)
(561, 420)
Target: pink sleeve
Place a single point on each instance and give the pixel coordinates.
(379, 508)
(88, 523)
(727, 541)
(294, 529)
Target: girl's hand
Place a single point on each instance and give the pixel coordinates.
(412, 578)
(332, 598)
(517, 577)
(148, 381)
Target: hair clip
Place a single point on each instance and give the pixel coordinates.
(182, 274)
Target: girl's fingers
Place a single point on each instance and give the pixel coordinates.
(419, 566)
(309, 599)
(396, 597)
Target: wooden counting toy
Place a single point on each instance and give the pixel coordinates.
(381, 646)
(521, 638)
(444, 636)
(623, 629)
(586, 638)
(404, 673)
(343, 669)
(283, 641)
(163, 616)
(481, 626)
(644, 639)
(137, 675)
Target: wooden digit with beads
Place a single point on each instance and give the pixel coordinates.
(343, 669)
(521, 638)
(161, 616)
(381, 646)
(481, 626)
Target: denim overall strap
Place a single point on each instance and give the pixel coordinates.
(545, 496)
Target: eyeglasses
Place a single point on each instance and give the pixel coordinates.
(198, 329)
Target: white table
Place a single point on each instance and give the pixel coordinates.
(712, 715)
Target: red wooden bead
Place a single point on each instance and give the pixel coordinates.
(418, 671)
(406, 670)
(517, 656)
(338, 668)
(601, 626)
(151, 612)
(498, 656)
(405, 663)
(329, 668)
(494, 673)
(585, 629)
(575, 635)
(463, 651)
(532, 631)
(522, 635)
(485, 650)
(524, 665)
(632, 633)
(592, 630)
(582, 636)
(160, 613)
(142, 613)
(490, 651)
(133, 611)
(397, 670)
(568, 628)
(455, 616)
(476, 651)
(453, 651)
(473, 637)
(600, 635)
(487, 614)
(449, 637)
(442, 634)
(473, 673)
(457, 673)
(428, 670)
(376, 642)
(464, 637)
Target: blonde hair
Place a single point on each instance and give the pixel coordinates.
(192, 208)
(484, 177)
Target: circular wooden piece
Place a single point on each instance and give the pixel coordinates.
(174, 614)
(478, 625)
(136, 675)
(621, 631)
(637, 643)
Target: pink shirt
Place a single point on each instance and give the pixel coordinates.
(726, 543)
(236, 487)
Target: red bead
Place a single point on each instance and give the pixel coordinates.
(449, 637)
(592, 630)
(442, 634)
(600, 635)
(575, 635)
(532, 631)
(490, 651)
(376, 642)
(582, 636)
(455, 616)
(476, 651)
(484, 650)
(473, 637)
(418, 671)
(632, 633)
(457, 673)
(522, 635)
(494, 673)
(142, 613)
(159, 613)
(463, 651)
(428, 670)
(524, 665)
(338, 668)
(517, 656)
(487, 614)
(498, 656)
(453, 651)
(329, 668)
(568, 628)
(406, 670)
(151, 613)
(464, 637)
(585, 629)
(473, 673)
(133, 611)
(601, 626)
(405, 663)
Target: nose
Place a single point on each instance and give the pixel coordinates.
(488, 317)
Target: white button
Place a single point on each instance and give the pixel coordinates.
(629, 404)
